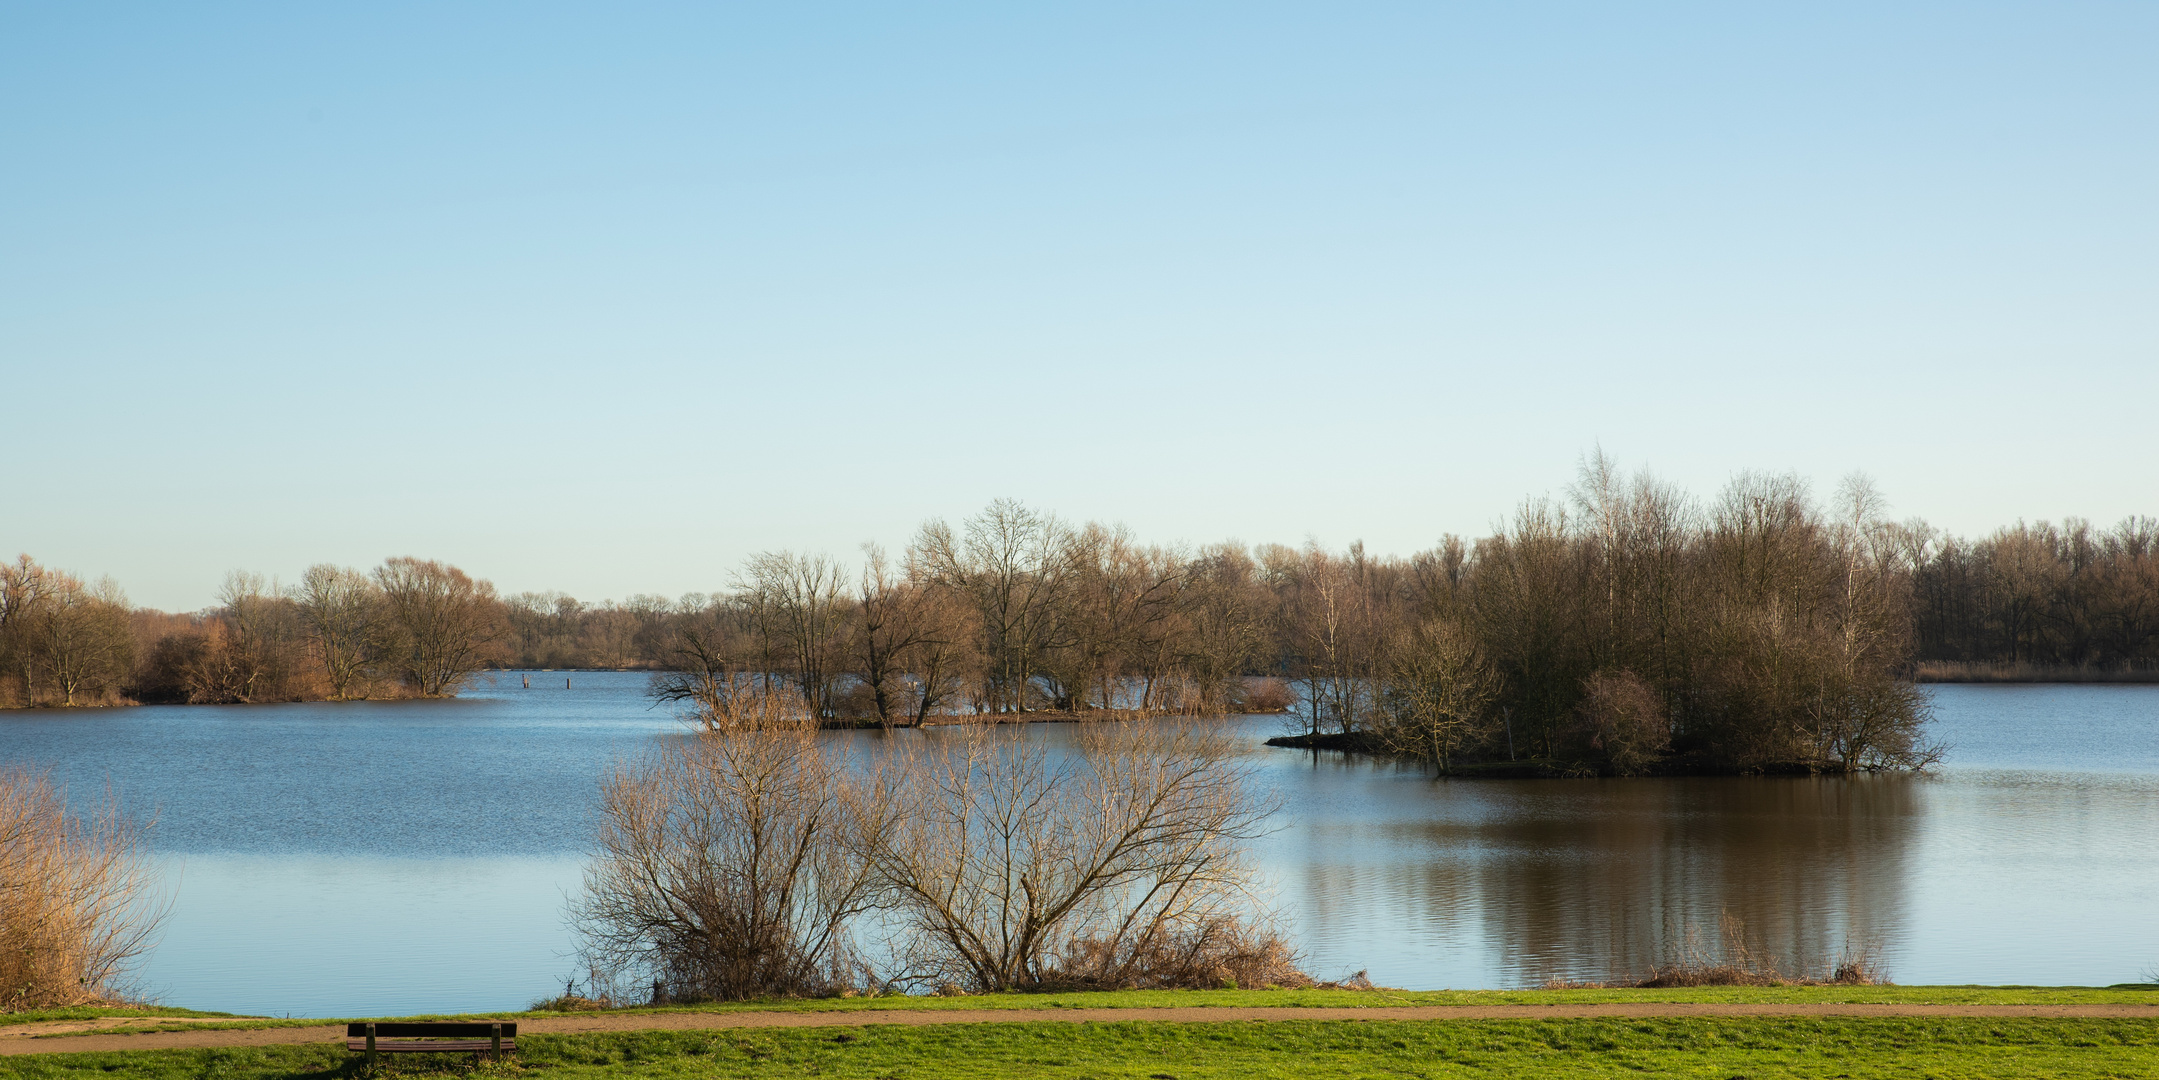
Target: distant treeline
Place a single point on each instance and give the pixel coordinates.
(1626, 628)
(411, 628)
(2034, 597)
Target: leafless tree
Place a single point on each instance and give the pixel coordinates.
(1435, 692)
(1015, 565)
(608, 636)
(24, 586)
(341, 610)
(446, 625)
(726, 866)
(1623, 719)
(1003, 861)
(799, 607)
(895, 625)
(261, 639)
(79, 637)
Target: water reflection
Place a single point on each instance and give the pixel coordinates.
(1577, 879)
(456, 827)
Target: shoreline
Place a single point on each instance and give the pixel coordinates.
(1362, 743)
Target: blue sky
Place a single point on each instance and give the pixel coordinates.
(603, 298)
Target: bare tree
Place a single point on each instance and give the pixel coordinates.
(1435, 693)
(24, 588)
(891, 624)
(799, 608)
(702, 664)
(1016, 567)
(1004, 862)
(1623, 719)
(80, 638)
(260, 642)
(447, 625)
(341, 610)
(1222, 621)
(725, 867)
(944, 662)
(608, 636)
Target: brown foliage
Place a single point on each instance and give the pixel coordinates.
(1621, 719)
(1268, 695)
(1226, 952)
(75, 898)
(1742, 962)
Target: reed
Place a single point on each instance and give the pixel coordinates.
(1739, 962)
(78, 901)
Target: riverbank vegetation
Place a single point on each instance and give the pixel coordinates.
(747, 860)
(77, 905)
(1626, 627)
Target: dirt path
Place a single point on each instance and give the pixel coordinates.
(51, 1038)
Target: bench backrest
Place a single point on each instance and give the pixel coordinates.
(445, 1030)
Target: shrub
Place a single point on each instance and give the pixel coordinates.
(1268, 696)
(724, 869)
(1121, 865)
(1621, 719)
(76, 898)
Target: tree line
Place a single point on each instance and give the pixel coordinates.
(411, 627)
(2063, 596)
(1623, 627)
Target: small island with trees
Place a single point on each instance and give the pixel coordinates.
(1626, 628)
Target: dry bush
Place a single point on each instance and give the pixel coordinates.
(726, 868)
(1741, 962)
(1859, 967)
(1620, 717)
(573, 1003)
(1223, 952)
(1268, 696)
(1008, 869)
(77, 903)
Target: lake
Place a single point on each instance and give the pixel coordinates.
(401, 857)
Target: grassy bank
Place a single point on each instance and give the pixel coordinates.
(1305, 1050)
(2135, 994)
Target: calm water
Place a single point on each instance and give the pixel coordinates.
(404, 857)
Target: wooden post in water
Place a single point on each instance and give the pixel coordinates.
(565, 682)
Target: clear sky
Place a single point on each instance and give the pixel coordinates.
(604, 297)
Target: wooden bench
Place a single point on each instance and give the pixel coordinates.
(495, 1037)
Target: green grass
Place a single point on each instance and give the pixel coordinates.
(93, 1012)
(2135, 994)
(1713, 1049)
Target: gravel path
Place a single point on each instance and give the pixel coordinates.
(52, 1038)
